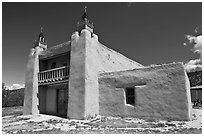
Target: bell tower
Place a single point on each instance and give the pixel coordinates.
(85, 23)
(31, 100)
(41, 40)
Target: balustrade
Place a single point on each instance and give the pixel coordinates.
(53, 75)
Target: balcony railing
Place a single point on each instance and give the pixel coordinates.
(53, 75)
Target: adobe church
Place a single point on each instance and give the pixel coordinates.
(82, 78)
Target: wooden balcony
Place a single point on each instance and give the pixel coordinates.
(53, 76)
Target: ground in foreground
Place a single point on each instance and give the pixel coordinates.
(14, 122)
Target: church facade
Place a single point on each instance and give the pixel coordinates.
(82, 78)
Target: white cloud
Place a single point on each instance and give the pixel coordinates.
(193, 65)
(15, 86)
(196, 41)
(198, 46)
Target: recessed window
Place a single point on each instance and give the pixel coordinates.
(130, 95)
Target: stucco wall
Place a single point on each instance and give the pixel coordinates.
(31, 101)
(111, 61)
(99, 58)
(161, 92)
(91, 74)
(77, 78)
(88, 58)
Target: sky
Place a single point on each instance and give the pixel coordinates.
(148, 33)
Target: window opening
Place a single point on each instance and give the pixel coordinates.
(130, 95)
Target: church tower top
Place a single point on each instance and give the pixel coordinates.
(41, 37)
(41, 40)
(85, 22)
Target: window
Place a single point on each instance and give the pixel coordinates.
(130, 95)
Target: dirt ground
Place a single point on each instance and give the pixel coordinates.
(13, 122)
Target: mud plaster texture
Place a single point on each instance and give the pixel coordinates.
(88, 58)
(31, 101)
(161, 92)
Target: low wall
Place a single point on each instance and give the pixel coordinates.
(161, 92)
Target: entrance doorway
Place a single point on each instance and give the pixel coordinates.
(62, 102)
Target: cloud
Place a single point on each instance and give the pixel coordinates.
(196, 42)
(193, 65)
(198, 30)
(15, 86)
(198, 46)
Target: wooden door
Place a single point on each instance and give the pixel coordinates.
(62, 102)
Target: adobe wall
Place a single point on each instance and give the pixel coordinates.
(76, 78)
(112, 61)
(31, 101)
(88, 58)
(161, 92)
(100, 58)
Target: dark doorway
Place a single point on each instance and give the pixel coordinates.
(62, 102)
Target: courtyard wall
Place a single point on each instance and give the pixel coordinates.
(161, 92)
